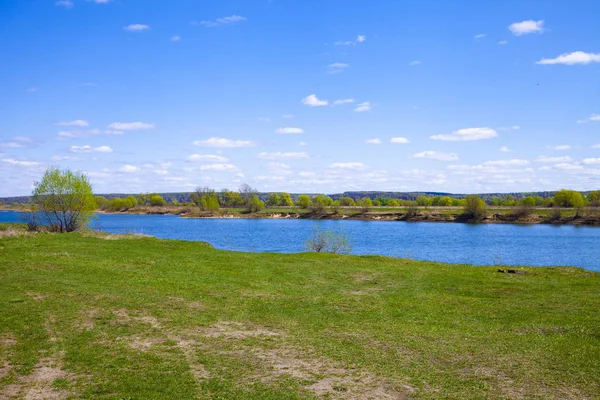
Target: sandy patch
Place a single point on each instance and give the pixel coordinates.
(236, 330)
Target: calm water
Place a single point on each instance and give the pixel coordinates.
(453, 243)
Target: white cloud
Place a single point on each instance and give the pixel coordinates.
(207, 157)
(345, 43)
(342, 101)
(175, 38)
(90, 149)
(348, 165)
(467, 134)
(10, 145)
(113, 132)
(546, 159)
(302, 144)
(436, 155)
(504, 149)
(313, 101)
(339, 65)
(130, 126)
(136, 27)
(76, 134)
(596, 146)
(362, 107)
(526, 27)
(373, 141)
(287, 116)
(278, 166)
(23, 139)
(32, 90)
(283, 156)
(592, 118)
(503, 42)
(509, 128)
(399, 140)
(361, 38)
(222, 142)
(64, 3)
(480, 36)
(289, 131)
(415, 62)
(591, 161)
(577, 57)
(568, 167)
(232, 19)
(100, 1)
(218, 167)
(506, 163)
(128, 168)
(560, 147)
(20, 163)
(77, 122)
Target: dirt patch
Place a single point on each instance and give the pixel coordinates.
(360, 277)
(36, 296)
(236, 330)
(365, 292)
(87, 319)
(144, 344)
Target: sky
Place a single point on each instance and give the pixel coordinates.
(301, 96)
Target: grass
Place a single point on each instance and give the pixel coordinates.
(141, 318)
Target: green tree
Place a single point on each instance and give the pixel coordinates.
(365, 203)
(424, 201)
(65, 199)
(347, 202)
(594, 198)
(255, 204)
(445, 201)
(205, 198)
(286, 200)
(230, 199)
(303, 201)
(101, 202)
(131, 201)
(157, 200)
(569, 198)
(475, 208)
(319, 202)
(143, 198)
(376, 203)
(274, 199)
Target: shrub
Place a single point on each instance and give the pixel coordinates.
(522, 211)
(157, 200)
(328, 241)
(365, 203)
(303, 201)
(445, 201)
(347, 202)
(475, 208)
(411, 211)
(31, 218)
(569, 198)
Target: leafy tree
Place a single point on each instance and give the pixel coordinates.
(594, 198)
(303, 201)
(445, 201)
(131, 201)
(319, 202)
(365, 203)
(569, 198)
(274, 200)
(65, 199)
(143, 198)
(286, 200)
(436, 201)
(230, 199)
(376, 203)
(248, 193)
(528, 201)
(255, 204)
(157, 200)
(458, 203)
(475, 208)
(347, 202)
(424, 201)
(101, 202)
(205, 198)
(394, 203)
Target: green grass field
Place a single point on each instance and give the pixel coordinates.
(120, 317)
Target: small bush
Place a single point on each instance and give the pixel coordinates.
(32, 219)
(522, 211)
(411, 212)
(475, 208)
(328, 241)
(556, 214)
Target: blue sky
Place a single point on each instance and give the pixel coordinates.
(301, 96)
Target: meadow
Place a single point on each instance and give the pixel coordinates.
(91, 315)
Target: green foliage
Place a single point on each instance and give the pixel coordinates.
(445, 201)
(157, 200)
(376, 203)
(65, 199)
(131, 201)
(475, 208)
(101, 202)
(347, 202)
(303, 201)
(424, 201)
(328, 241)
(229, 198)
(206, 198)
(286, 200)
(569, 198)
(594, 198)
(255, 204)
(394, 203)
(365, 203)
(144, 198)
(274, 199)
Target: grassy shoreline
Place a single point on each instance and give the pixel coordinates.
(118, 316)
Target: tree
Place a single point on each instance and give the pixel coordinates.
(143, 198)
(376, 203)
(230, 199)
(569, 198)
(424, 201)
(274, 200)
(286, 200)
(248, 193)
(347, 202)
(255, 204)
(205, 198)
(101, 202)
(157, 200)
(365, 203)
(303, 201)
(319, 202)
(64, 199)
(594, 198)
(475, 208)
(131, 201)
(445, 201)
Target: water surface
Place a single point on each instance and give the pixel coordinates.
(486, 244)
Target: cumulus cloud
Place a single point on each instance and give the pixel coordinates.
(77, 122)
(218, 167)
(78, 134)
(313, 101)
(437, 156)
(362, 107)
(11, 145)
(591, 161)
(232, 19)
(136, 27)
(591, 118)
(373, 141)
(576, 57)
(467, 134)
(131, 126)
(283, 156)
(507, 163)
(20, 163)
(399, 140)
(289, 131)
(129, 168)
(207, 157)
(90, 149)
(342, 101)
(546, 159)
(336, 68)
(348, 165)
(222, 142)
(526, 27)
